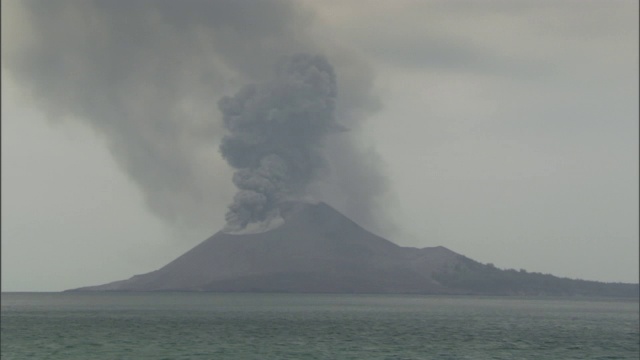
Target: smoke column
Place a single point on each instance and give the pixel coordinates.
(143, 74)
(275, 136)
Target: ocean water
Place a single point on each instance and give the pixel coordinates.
(288, 326)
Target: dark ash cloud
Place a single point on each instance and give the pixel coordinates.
(146, 75)
(276, 131)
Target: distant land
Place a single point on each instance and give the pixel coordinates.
(319, 250)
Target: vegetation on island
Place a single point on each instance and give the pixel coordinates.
(485, 279)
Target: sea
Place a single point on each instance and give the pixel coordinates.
(84, 326)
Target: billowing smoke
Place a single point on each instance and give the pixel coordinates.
(145, 75)
(276, 131)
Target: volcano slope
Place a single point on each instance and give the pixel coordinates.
(319, 250)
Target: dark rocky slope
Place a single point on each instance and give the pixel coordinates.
(319, 250)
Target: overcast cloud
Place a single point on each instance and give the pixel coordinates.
(505, 131)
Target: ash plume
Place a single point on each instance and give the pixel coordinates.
(145, 75)
(275, 136)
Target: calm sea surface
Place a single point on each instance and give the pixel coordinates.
(285, 326)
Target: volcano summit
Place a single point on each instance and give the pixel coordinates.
(316, 249)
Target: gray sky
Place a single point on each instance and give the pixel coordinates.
(505, 131)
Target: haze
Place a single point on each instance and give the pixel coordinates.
(504, 131)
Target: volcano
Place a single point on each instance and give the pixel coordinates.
(319, 250)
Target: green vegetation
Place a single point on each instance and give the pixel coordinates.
(476, 278)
